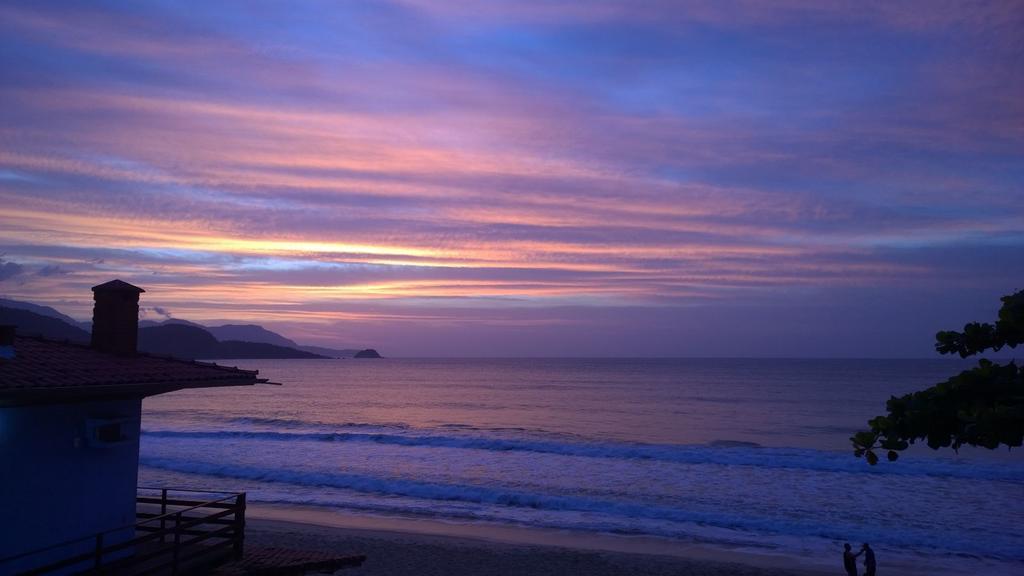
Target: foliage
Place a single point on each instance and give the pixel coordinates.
(977, 337)
(983, 406)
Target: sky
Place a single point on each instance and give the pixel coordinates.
(528, 178)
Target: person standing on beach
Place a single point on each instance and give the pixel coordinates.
(869, 559)
(850, 560)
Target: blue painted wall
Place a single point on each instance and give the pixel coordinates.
(56, 483)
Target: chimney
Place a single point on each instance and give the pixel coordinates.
(6, 341)
(115, 317)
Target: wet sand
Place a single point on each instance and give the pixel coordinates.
(399, 546)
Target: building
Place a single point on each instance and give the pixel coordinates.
(69, 433)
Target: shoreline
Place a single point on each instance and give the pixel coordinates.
(396, 545)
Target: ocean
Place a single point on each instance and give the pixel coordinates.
(740, 454)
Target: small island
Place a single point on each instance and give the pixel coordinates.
(368, 353)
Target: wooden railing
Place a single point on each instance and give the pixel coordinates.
(178, 531)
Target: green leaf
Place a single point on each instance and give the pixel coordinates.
(983, 406)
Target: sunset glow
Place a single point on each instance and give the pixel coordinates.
(490, 178)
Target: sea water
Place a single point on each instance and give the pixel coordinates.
(741, 454)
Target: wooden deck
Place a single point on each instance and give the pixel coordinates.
(177, 532)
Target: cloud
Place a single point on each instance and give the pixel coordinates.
(145, 311)
(427, 165)
(52, 270)
(10, 270)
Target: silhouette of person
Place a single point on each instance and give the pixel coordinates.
(850, 560)
(869, 559)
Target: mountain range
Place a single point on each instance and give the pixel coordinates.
(252, 333)
(172, 337)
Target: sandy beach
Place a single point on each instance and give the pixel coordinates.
(396, 547)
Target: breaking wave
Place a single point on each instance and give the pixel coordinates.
(724, 453)
(521, 499)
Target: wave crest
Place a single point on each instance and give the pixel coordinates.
(718, 453)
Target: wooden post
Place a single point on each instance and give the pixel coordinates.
(239, 525)
(98, 556)
(163, 511)
(177, 543)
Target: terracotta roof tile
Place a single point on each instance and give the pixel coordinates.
(41, 364)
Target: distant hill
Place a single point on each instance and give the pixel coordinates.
(171, 339)
(178, 340)
(242, 332)
(187, 341)
(176, 337)
(151, 323)
(30, 323)
(237, 349)
(330, 352)
(251, 333)
(368, 353)
(38, 309)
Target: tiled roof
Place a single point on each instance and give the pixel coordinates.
(46, 368)
(117, 286)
